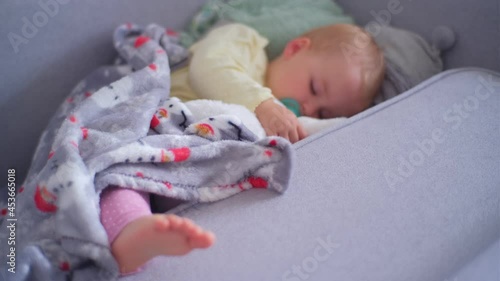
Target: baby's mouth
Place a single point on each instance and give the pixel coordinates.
(293, 105)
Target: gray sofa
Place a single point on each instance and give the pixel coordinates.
(372, 195)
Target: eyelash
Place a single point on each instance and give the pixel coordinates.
(312, 88)
(320, 115)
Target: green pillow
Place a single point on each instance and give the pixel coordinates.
(278, 20)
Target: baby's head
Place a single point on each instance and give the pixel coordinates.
(331, 71)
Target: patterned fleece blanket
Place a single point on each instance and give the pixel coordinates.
(119, 127)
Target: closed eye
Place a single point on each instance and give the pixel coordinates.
(311, 85)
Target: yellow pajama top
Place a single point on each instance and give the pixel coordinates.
(229, 65)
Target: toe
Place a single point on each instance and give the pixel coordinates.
(209, 238)
(184, 226)
(175, 221)
(204, 240)
(196, 231)
(162, 223)
(188, 221)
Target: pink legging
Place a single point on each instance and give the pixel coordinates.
(120, 206)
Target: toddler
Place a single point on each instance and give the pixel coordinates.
(328, 72)
(331, 71)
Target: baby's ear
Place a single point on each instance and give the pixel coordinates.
(296, 45)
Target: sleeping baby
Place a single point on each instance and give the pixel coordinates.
(332, 71)
(329, 72)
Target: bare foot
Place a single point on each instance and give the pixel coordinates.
(155, 235)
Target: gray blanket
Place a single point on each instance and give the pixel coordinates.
(126, 133)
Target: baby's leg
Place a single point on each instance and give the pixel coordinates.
(136, 235)
(121, 206)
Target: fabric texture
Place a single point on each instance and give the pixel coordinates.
(407, 190)
(409, 59)
(230, 65)
(277, 20)
(129, 134)
(76, 41)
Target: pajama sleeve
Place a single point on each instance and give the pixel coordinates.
(230, 65)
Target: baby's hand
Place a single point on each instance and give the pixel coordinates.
(278, 120)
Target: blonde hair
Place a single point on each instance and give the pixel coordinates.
(357, 46)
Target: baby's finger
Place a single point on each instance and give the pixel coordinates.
(269, 132)
(283, 135)
(294, 135)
